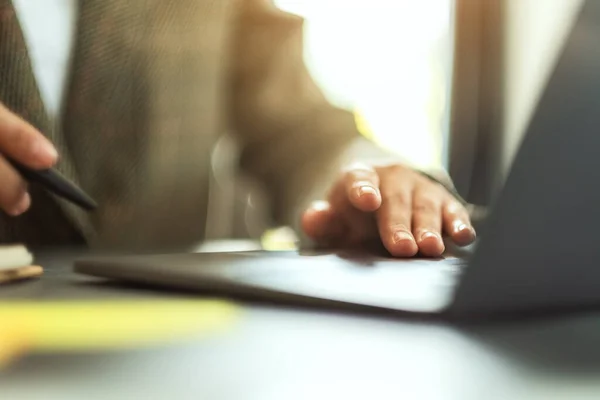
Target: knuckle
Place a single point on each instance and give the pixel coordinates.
(397, 198)
(11, 129)
(430, 184)
(426, 205)
(395, 169)
(12, 186)
(397, 227)
(10, 195)
(455, 208)
(392, 214)
(16, 137)
(22, 141)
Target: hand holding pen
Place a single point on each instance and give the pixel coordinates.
(26, 155)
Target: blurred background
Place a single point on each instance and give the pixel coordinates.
(388, 61)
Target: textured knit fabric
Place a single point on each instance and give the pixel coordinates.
(153, 83)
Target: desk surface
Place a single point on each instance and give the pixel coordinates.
(281, 353)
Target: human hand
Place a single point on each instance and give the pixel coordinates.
(406, 210)
(23, 143)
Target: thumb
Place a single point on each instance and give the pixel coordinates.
(320, 222)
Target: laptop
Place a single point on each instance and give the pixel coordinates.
(540, 248)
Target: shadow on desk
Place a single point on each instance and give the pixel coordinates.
(562, 344)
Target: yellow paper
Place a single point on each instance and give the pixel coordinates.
(99, 325)
(12, 345)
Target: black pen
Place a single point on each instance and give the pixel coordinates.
(54, 182)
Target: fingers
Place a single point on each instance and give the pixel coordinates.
(427, 219)
(14, 199)
(20, 142)
(359, 226)
(346, 218)
(321, 223)
(407, 211)
(394, 216)
(23, 143)
(361, 184)
(457, 223)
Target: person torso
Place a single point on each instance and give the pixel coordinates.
(142, 105)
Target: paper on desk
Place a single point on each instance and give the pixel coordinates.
(106, 325)
(11, 345)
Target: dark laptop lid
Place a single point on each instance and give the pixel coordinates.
(541, 247)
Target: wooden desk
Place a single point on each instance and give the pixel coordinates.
(280, 353)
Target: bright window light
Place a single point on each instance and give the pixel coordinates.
(387, 60)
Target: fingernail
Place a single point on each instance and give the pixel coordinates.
(44, 149)
(428, 234)
(21, 206)
(363, 190)
(460, 226)
(402, 236)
